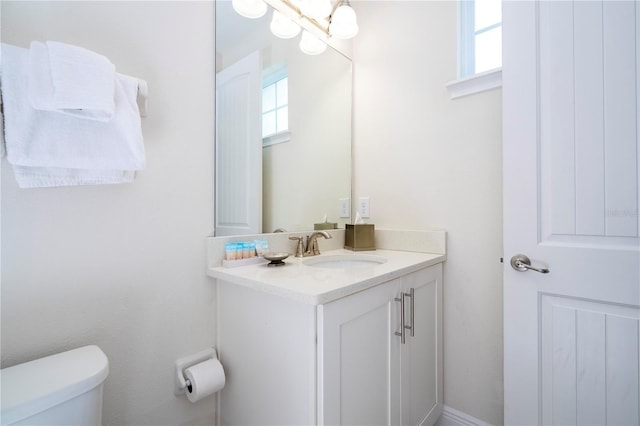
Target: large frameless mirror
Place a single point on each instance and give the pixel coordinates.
(283, 130)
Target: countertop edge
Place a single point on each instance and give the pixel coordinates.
(334, 295)
(330, 296)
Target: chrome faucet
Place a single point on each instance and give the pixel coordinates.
(312, 243)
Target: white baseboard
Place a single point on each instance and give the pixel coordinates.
(452, 417)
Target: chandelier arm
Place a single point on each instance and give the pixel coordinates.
(292, 11)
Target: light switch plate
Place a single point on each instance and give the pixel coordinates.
(364, 207)
(345, 207)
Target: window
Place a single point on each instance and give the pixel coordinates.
(275, 107)
(479, 47)
(480, 36)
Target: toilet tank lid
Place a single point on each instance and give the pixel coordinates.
(35, 386)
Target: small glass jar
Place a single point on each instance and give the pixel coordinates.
(262, 247)
(231, 251)
(248, 250)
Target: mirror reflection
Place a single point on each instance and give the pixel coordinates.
(283, 130)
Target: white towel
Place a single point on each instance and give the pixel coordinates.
(41, 177)
(41, 143)
(71, 80)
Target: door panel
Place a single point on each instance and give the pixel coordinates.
(589, 368)
(421, 356)
(571, 181)
(588, 119)
(358, 383)
(364, 381)
(238, 168)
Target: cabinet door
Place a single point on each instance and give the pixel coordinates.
(267, 346)
(421, 355)
(358, 369)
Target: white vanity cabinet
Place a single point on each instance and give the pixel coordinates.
(368, 376)
(340, 363)
(267, 346)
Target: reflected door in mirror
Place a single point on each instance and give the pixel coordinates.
(238, 168)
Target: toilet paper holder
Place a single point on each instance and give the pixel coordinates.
(181, 383)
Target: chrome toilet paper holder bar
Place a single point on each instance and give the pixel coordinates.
(181, 383)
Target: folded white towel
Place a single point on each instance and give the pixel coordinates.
(92, 152)
(71, 80)
(41, 177)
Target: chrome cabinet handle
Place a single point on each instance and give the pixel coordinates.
(412, 326)
(522, 263)
(403, 327)
(401, 333)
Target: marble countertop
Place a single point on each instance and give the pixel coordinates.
(313, 285)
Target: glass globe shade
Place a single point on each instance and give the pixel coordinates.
(343, 23)
(311, 45)
(316, 9)
(250, 8)
(283, 27)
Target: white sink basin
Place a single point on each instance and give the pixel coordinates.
(345, 261)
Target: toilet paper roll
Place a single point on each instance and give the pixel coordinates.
(206, 378)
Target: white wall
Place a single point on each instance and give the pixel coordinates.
(430, 162)
(122, 266)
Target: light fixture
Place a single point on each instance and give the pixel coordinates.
(283, 27)
(316, 9)
(319, 20)
(250, 8)
(311, 44)
(343, 21)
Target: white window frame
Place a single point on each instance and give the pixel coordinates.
(469, 82)
(466, 39)
(270, 77)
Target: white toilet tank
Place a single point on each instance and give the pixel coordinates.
(61, 389)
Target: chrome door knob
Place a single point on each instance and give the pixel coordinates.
(522, 263)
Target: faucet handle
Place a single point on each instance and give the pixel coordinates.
(299, 246)
(312, 246)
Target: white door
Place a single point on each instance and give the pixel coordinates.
(571, 179)
(238, 164)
